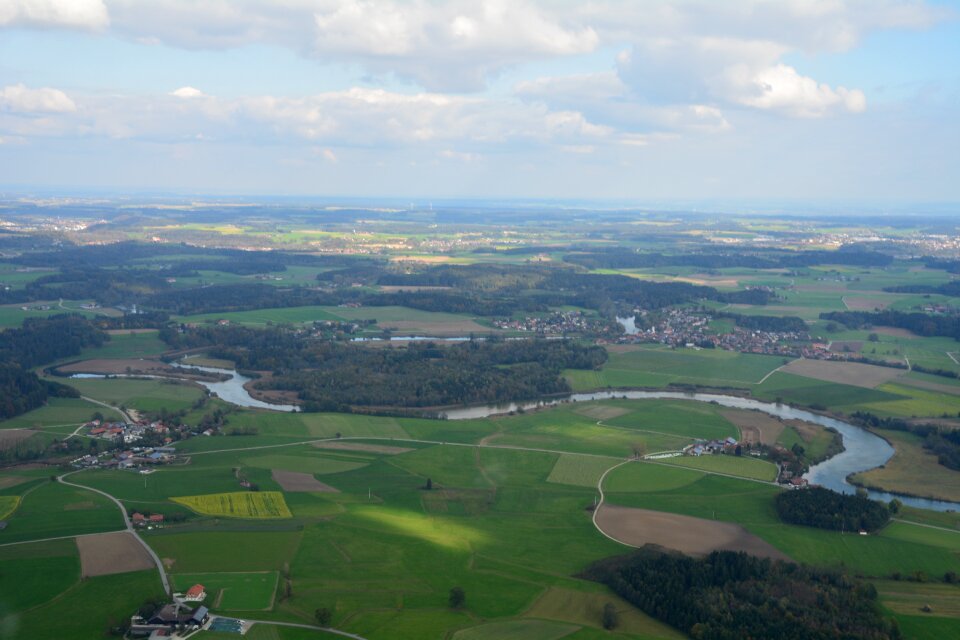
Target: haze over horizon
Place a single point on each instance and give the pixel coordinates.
(841, 100)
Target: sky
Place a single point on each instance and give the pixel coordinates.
(809, 100)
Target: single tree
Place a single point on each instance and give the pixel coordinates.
(610, 616)
(457, 597)
(323, 616)
(429, 486)
(639, 450)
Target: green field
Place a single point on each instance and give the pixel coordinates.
(233, 591)
(658, 366)
(743, 467)
(57, 411)
(53, 509)
(36, 573)
(143, 395)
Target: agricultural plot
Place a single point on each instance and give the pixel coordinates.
(294, 481)
(692, 536)
(57, 411)
(580, 471)
(755, 427)
(243, 591)
(852, 373)
(144, 395)
(911, 598)
(105, 554)
(9, 438)
(43, 570)
(53, 510)
(224, 551)
(126, 345)
(517, 630)
(741, 466)
(586, 608)
(657, 366)
(312, 464)
(242, 504)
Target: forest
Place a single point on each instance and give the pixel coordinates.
(825, 509)
(731, 596)
(755, 259)
(333, 376)
(39, 341)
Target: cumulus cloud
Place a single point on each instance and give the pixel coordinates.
(77, 14)
(781, 87)
(187, 92)
(19, 98)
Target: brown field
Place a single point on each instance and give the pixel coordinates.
(104, 554)
(602, 412)
(841, 346)
(10, 437)
(857, 374)
(362, 446)
(623, 348)
(693, 536)
(755, 427)
(867, 304)
(294, 481)
(457, 328)
(808, 432)
(11, 481)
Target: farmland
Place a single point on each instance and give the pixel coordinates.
(255, 505)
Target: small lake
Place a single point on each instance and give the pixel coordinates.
(863, 450)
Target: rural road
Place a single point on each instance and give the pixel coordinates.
(129, 525)
(126, 416)
(297, 625)
(596, 509)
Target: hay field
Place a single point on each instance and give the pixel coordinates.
(867, 376)
(755, 426)
(295, 481)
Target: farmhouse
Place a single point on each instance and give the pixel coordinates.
(196, 593)
(167, 617)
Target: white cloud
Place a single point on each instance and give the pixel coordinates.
(187, 92)
(77, 14)
(19, 98)
(781, 88)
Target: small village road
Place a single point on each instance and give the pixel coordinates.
(126, 416)
(129, 525)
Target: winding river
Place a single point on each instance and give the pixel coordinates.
(232, 389)
(863, 450)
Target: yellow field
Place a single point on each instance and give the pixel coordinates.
(242, 504)
(8, 504)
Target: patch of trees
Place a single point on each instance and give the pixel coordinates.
(825, 509)
(778, 324)
(729, 596)
(628, 259)
(920, 323)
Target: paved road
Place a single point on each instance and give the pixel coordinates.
(129, 526)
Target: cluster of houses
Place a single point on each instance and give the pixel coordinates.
(140, 520)
(130, 431)
(142, 458)
(560, 322)
(708, 447)
(176, 619)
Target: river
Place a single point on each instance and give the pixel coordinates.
(232, 390)
(863, 450)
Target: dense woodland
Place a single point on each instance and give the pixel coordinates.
(826, 509)
(779, 324)
(333, 376)
(732, 596)
(39, 341)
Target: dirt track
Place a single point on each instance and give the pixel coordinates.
(108, 553)
(295, 481)
(693, 536)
